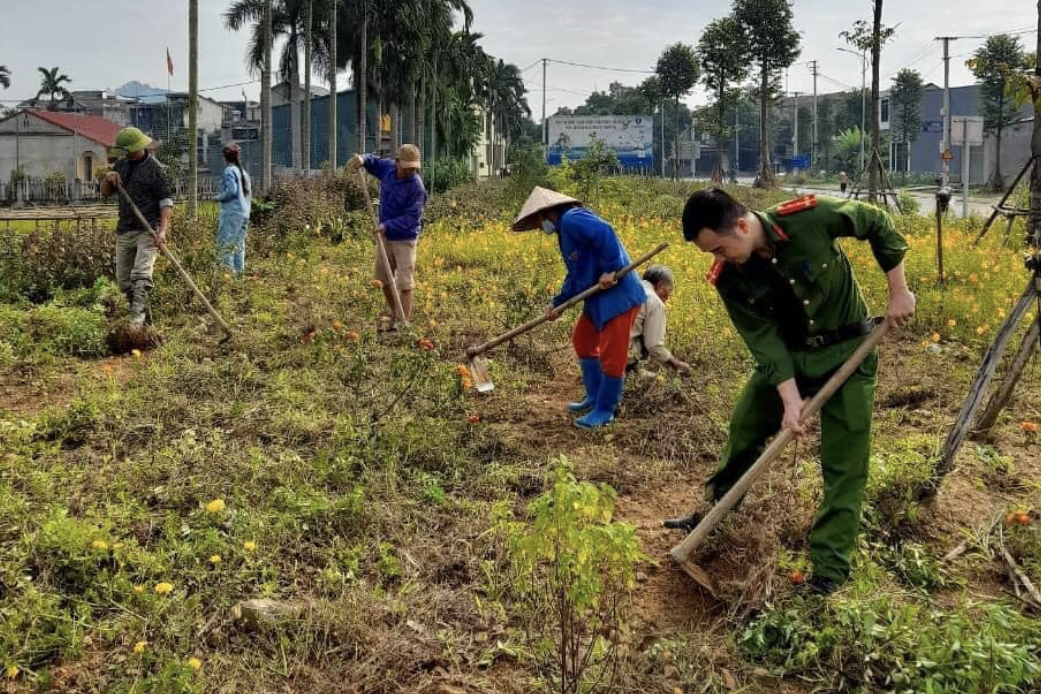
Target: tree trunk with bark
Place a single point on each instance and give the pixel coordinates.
(421, 117)
(333, 101)
(1034, 220)
(363, 79)
(997, 180)
(875, 162)
(265, 104)
(193, 108)
(305, 115)
(765, 178)
(294, 105)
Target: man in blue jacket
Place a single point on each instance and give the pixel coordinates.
(592, 254)
(402, 199)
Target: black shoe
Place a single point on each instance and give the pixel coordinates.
(823, 586)
(686, 524)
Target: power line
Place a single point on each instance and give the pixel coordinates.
(599, 67)
(532, 65)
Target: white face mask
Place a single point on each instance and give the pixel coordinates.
(548, 227)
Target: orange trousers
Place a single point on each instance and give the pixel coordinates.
(610, 345)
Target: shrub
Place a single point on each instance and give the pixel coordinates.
(909, 204)
(445, 174)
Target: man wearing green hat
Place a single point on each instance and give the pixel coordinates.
(144, 179)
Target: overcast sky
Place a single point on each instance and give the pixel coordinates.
(109, 42)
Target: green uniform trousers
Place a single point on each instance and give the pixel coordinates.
(845, 447)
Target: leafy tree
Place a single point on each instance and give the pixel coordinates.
(991, 65)
(774, 45)
(722, 51)
(906, 100)
(847, 149)
(871, 37)
(678, 72)
(825, 129)
(5, 77)
(52, 84)
(1025, 87)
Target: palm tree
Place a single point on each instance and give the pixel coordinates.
(193, 107)
(332, 39)
(267, 41)
(5, 77)
(504, 98)
(305, 125)
(51, 84)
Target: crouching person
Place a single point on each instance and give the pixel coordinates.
(647, 338)
(592, 254)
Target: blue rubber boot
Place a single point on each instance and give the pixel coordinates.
(606, 401)
(592, 373)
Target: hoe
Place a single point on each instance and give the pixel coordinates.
(381, 252)
(479, 368)
(681, 553)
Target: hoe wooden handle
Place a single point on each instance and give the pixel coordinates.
(173, 260)
(681, 552)
(535, 322)
(381, 251)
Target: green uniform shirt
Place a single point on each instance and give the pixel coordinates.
(824, 295)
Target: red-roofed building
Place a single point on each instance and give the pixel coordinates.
(42, 143)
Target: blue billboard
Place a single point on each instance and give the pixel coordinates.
(631, 138)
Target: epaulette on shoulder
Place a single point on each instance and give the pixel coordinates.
(807, 202)
(712, 276)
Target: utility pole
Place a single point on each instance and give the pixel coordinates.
(946, 144)
(814, 144)
(193, 108)
(863, 100)
(737, 140)
(545, 123)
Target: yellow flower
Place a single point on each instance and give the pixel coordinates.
(215, 559)
(99, 544)
(249, 546)
(951, 323)
(139, 589)
(12, 671)
(215, 506)
(135, 353)
(195, 664)
(139, 647)
(936, 337)
(163, 588)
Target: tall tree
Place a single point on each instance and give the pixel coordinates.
(193, 108)
(333, 39)
(722, 51)
(305, 117)
(774, 45)
(5, 77)
(678, 72)
(361, 81)
(871, 37)
(992, 65)
(906, 100)
(53, 84)
(265, 99)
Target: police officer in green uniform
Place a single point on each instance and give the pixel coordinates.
(790, 292)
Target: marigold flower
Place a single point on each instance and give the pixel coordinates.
(798, 578)
(99, 544)
(195, 664)
(337, 326)
(1030, 427)
(376, 284)
(163, 588)
(474, 418)
(139, 589)
(249, 546)
(936, 337)
(215, 506)
(951, 322)
(139, 647)
(215, 559)
(135, 353)
(352, 336)
(12, 672)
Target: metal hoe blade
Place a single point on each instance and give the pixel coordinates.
(699, 575)
(479, 374)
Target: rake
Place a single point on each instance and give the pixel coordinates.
(479, 367)
(681, 553)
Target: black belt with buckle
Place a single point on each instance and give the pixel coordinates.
(846, 332)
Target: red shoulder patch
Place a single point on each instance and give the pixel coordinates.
(712, 276)
(780, 232)
(807, 202)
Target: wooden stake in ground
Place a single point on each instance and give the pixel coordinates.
(681, 552)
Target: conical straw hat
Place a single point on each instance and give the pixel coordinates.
(540, 199)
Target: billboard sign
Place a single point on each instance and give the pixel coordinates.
(631, 138)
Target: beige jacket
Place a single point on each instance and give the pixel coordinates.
(650, 325)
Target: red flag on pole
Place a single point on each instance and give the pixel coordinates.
(169, 63)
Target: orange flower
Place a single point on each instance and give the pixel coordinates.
(951, 323)
(352, 336)
(377, 284)
(1022, 518)
(337, 326)
(798, 578)
(462, 370)
(936, 337)
(309, 335)
(474, 418)
(426, 344)
(1030, 427)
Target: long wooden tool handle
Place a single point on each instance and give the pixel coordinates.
(535, 322)
(381, 251)
(682, 551)
(170, 256)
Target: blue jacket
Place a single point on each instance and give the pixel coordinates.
(232, 198)
(590, 248)
(401, 200)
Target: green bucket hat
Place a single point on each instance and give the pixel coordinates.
(128, 141)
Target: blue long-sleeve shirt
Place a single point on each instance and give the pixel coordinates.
(232, 197)
(401, 199)
(590, 248)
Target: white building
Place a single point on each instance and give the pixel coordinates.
(42, 143)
